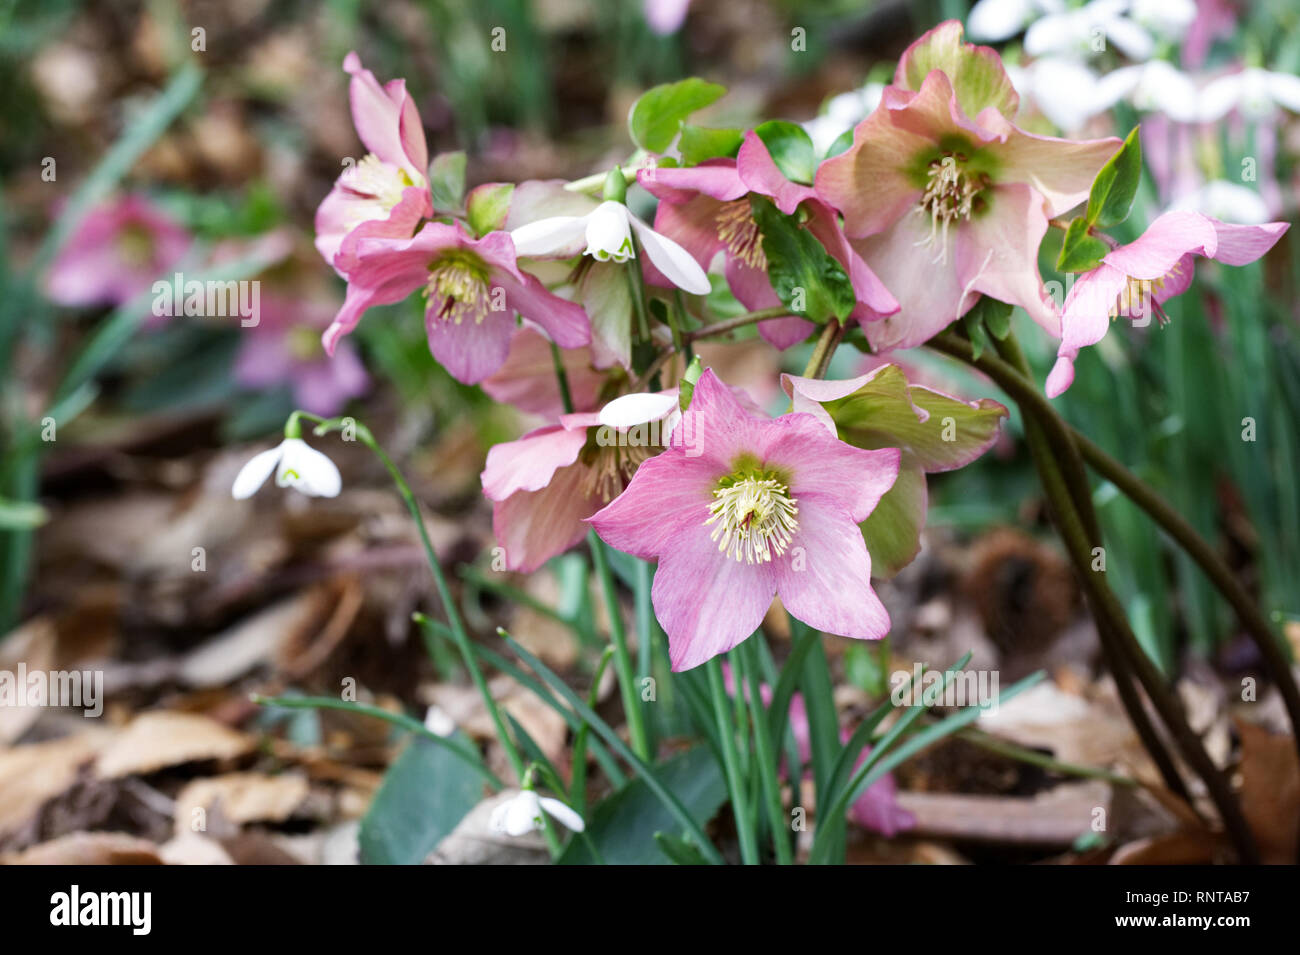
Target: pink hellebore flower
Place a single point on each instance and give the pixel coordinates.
(285, 348)
(974, 193)
(116, 253)
(384, 194)
(706, 208)
(545, 485)
(740, 508)
(1135, 279)
(473, 288)
(527, 379)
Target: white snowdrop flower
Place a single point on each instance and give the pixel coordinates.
(841, 113)
(629, 411)
(295, 465)
(523, 814)
(1226, 201)
(991, 21)
(1074, 32)
(438, 722)
(1154, 87)
(1063, 90)
(1168, 19)
(1255, 93)
(605, 234)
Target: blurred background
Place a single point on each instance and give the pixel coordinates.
(141, 138)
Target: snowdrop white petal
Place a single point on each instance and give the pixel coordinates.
(628, 411)
(1164, 88)
(438, 722)
(563, 813)
(1133, 41)
(676, 264)
(254, 474)
(1220, 96)
(992, 21)
(1226, 201)
(1284, 88)
(307, 470)
(1065, 91)
(558, 235)
(609, 233)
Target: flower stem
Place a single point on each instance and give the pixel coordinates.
(731, 324)
(821, 356)
(562, 379)
(731, 763)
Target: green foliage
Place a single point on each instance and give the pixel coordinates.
(791, 149)
(1116, 185)
(657, 116)
(804, 275)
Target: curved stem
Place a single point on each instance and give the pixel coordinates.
(731, 324)
(821, 356)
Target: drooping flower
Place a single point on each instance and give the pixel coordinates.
(284, 348)
(1135, 279)
(117, 252)
(385, 193)
(296, 465)
(605, 234)
(1255, 93)
(996, 20)
(740, 508)
(1075, 32)
(546, 484)
(707, 209)
(1156, 86)
(473, 288)
(924, 179)
(522, 814)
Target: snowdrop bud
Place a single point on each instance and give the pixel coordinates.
(295, 465)
(523, 814)
(609, 233)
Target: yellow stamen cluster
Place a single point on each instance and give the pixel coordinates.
(610, 467)
(1137, 297)
(739, 233)
(373, 177)
(756, 518)
(949, 196)
(458, 289)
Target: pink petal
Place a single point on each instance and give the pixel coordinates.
(1061, 170)
(527, 379)
(707, 602)
(530, 463)
(378, 118)
(997, 253)
(824, 579)
(820, 463)
(1165, 241)
(761, 174)
(715, 178)
(1242, 244)
(534, 526)
(667, 499)
(387, 271)
(1085, 319)
(781, 333)
(874, 300)
(566, 322)
(470, 350)
(716, 427)
(694, 225)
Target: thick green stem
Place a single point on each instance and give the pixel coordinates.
(821, 356)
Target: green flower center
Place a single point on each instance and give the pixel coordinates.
(135, 244)
(458, 286)
(739, 233)
(754, 515)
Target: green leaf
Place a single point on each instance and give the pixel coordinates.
(1080, 252)
(487, 206)
(994, 316)
(679, 851)
(1116, 185)
(623, 826)
(425, 793)
(791, 149)
(841, 144)
(893, 530)
(699, 143)
(657, 116)
(803, 274)
(447, 181)
(979, 337)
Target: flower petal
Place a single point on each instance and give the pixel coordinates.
(254, 474)
(534, 526)
(799, 444)
(305, 469)
(559, 236)
(824, 579)
(761, 174)
(676, 264)
(563, 813)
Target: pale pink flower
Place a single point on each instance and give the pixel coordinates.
(527, 379)
(116, 253)
(284, 348)
(1135, 279)
(473, 289)
(706, 208)
(385, 193)
(740, 508)
(945, 207)
(546, 484)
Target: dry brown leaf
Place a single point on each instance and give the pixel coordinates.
(35, 644)
(254, 641)
(89, 848)
(1270, 792)
(32, 774)
(242, 798)
(162, 738)
(1054, 818)
(194, 848)
(1185, 847)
